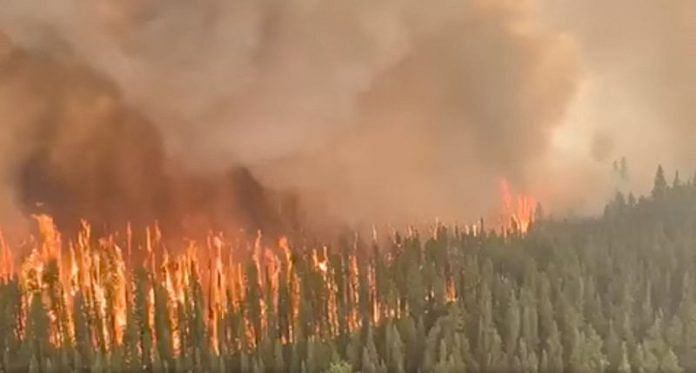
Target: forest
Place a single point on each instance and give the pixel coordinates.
(614, 293)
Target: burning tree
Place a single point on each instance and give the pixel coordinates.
(459, 299)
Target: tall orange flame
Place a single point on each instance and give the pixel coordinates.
(244, 284)
(518, 210)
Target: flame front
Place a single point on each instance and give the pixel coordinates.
(225, 296)
(94, 295)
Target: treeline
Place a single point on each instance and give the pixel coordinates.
(612, 294)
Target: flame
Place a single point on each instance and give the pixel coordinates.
(248, 284)
(321, 264)
(519, 210)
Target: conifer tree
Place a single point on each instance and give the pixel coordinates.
(512, 324)
(82, 330)
(687, 310)
(654, 342)
(638, 361)
(624, 365)
(670, 363)
(660, 185)
(651, 363)
(354, 351)
(36, 339)
(278, 359)
(614, 348)
(395, 347)
(340, 367)
(553, 351)
(592, 350)
(530, 318)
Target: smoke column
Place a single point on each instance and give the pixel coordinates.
(369, 110)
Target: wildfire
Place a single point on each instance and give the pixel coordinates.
(96, 278)
(518, 210)
(97, 291)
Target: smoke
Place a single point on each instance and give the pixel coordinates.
(370, 111)
(73, 149)
(638, 58)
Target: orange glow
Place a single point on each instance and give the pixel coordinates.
(218, 282)
(518, 210)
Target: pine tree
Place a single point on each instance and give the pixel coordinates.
(677, 183)
(243, 362)
(571, 334)
(654, 342)
(626, 331)
(624, 365)
(512, 324)
(34, 366)
(162, 325)
(311, 361)
(592, 350)
(430, 353)
(674, 334)
(258, 366)
(141, 302)
(395, 347)
(530, 318)
(412, 342)
(370, 359)
(638, 361)
(278, 360)
(670, 363)
(339, 367)
(554, 350)
(631, 200)
(354, 350)
(416, 289)
(614, 348)
(82, 333)
(367, 365)
(687, 310)
(36, 339)
(528, 360)
(660, 185)
(651, 363)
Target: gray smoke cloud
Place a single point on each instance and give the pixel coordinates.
(387, 110)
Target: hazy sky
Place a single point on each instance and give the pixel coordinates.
(638, 82)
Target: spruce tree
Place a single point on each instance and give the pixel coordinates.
(614, 348)
(670, 363)
(624, 365)
(554, 350)
(512, 324)
(660, 186)
(592, 350)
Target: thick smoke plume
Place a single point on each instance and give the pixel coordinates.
(370, 111)
(74, 150)
(367, 110)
